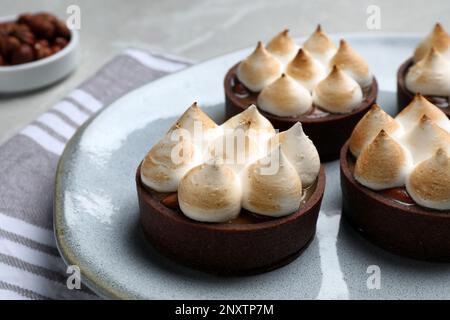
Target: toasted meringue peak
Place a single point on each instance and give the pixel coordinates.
(301, 153)
(306, 70)
(210, 192)
(439, 39)
(285, 97)
(252, 119)
(191, 115)
(425, 138)
(320, 46)
(429, 183)
(418, 107)
(167, 162)
(271, 186)
(368, 128)
(197, 123)
(259, 69)
(383, 164)
(283, 47)
(337, 93)
(430, 76)
(353, 64)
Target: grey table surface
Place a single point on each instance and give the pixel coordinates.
(198, 30)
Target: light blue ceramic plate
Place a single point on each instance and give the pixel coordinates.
(96, 210)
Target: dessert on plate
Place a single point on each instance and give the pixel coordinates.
(395, 180)
(238, 198)
(427, 72)
(326, 88)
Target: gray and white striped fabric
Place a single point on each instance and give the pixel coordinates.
(30, 266)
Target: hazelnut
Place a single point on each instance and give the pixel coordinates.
(61, 29)
(42, 28)
(42, 49)
(46, 16)
(23, 33)
(171, 201)
(12, 45)
(6, 28)
(23, 55)
(60, 41)
(55, 48)
(25, 18)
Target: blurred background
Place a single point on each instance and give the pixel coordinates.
(198, 30)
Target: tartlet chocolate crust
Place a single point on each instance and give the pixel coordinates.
(404, 96)
(229, 249)
(404, 229)
(328, 133)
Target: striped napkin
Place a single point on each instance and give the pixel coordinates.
(30, 266)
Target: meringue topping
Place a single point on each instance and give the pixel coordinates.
(260, 176)
(210, 192)
(353, 64)
(430, 76)
(383, 164)
(259, 69)
(301, 153)
(306, 70)
(418, 107)
(425, 138)
(429, 183)
(198, 124)
(282, 47)
(320, 46)
(337, 93)
(439, 39)
(368, 128)
(285, 97)
(273, 195)
(253, 120)
(167, 162)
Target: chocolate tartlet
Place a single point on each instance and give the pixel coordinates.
(249, 244)
(431, 83)
(396, 184)
(328, 112)
(209, 211)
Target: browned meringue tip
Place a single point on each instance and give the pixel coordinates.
(334, 70)
(438, 28)
(285, 32)
(283, 75)
(318, 28)
(343, 44)
(301, 56)
(259, 46)
(441, 154)
(375, 107)
(382, 134)
(425, 119)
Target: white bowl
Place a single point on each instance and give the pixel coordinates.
(37, 74)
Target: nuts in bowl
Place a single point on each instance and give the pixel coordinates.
(36, 49)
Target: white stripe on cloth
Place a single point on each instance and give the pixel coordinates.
(57, 124)
(71, 111)
(40, 285)
(11, 295)
(32, 256)
(27, 230)
(44, 139)
(86, 100)
(154, 62)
